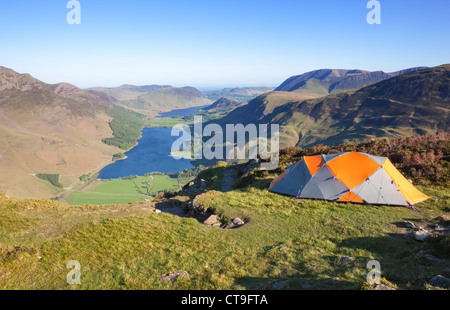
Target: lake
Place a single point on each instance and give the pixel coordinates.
(181, 112)
(152, 154)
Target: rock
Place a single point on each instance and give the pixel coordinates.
(421, 234)
(307, 286)
(157, 211)
(238, 222)
(346, 260)
(212, 220)
(424, 252)
(440, 281)
(435, 260)
(174, 276)
(280, 285)
(202, 184)
(410, 224)
(440, 228)
(383, 287)
(443, 218)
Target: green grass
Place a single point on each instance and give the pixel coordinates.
(123, 190)
(128, 247)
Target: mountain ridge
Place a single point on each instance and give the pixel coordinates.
(407, 104)
(327, 81)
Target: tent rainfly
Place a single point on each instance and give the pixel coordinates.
(351, 176)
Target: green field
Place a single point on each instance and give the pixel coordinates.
(123, 190)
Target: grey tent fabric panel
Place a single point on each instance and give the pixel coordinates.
(327, 158)
(294, 181)
(323, 185)
(380, 189)
(378, 159)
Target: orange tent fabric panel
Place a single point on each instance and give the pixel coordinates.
(352, 168)
(412, 194)
(351, 197)
(314, 163)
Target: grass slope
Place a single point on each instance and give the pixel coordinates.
(131, 247)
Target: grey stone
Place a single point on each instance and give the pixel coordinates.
(212, 220)
(346, 260)
(280, 285)
(424, 252)
(410, 224)
(440, 281)
(174, 276)
(237, 221)
(421, 234)
(435, 260)
(443, 218)
(383, 287)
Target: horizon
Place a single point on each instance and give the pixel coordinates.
(217, 45)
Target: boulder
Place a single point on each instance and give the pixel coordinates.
(410, 224)
(421, 234)
(174, 276)
(443, 218)
(238, 222)
(435, 260)
(346, 260)
(383, 287)
(280, 285)
(212, 220)
(440, 281)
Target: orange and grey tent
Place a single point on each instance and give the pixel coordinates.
(351, 176)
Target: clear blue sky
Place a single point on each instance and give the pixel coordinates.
(217, 42)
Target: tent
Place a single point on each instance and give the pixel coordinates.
(350, 176)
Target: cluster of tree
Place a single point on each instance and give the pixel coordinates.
(118, 156)
(127, 128)
(130, 177)
(88, 177)
(51, 178)
(187, 173)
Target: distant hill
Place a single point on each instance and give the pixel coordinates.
(241, 94)
(128, 92)
(415, 102)
(223, 105)
(153, 99)
(54, 129)
(328, 81)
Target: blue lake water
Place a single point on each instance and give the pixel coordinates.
(181, 112)
(152, 154)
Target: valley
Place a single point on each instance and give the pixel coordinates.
(117, 194)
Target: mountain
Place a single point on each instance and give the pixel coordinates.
(241, 94)
(53, 129)
(328, 81)
(415, 102)
(128, 92)
(223, 105)
(153, 99)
